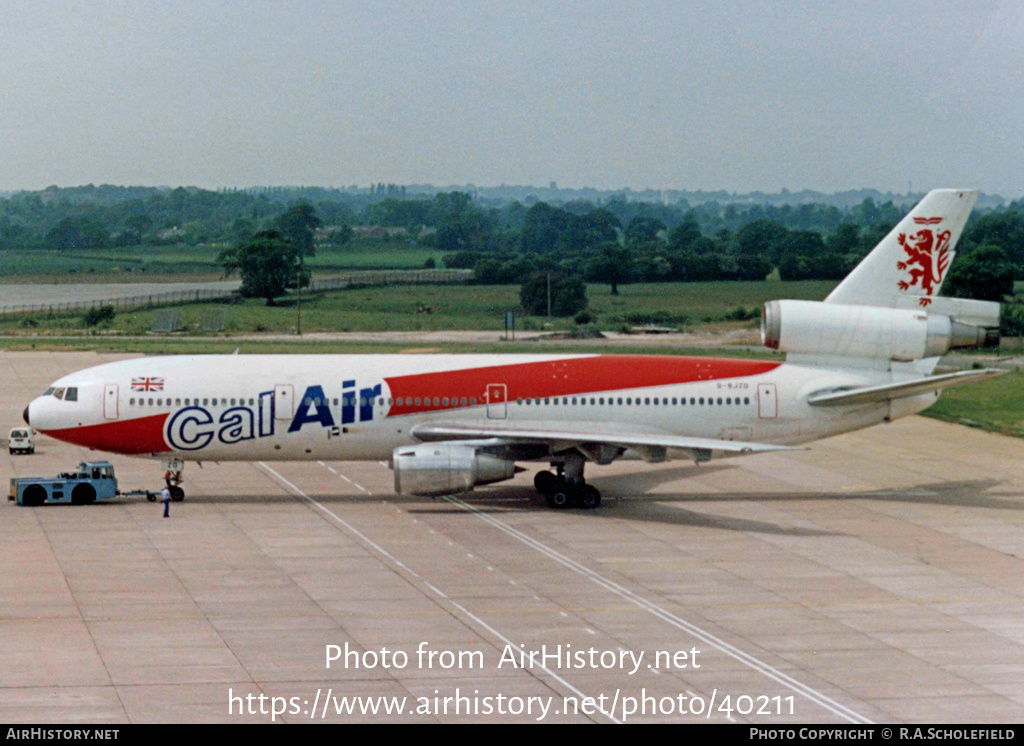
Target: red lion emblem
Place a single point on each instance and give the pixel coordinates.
(928, 258)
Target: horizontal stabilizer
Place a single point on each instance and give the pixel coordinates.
(888, 392)
(566, 438)
(984, 313)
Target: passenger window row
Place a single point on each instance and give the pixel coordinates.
(408, 401)
(71, 394)
(188, 402)
(636, 401)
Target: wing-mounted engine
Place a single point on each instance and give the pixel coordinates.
(808, 327)
(432, 469)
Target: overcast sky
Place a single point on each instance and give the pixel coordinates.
(605, 93)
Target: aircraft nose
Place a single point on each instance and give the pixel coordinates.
(24, 416)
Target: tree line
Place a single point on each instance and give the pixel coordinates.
(615, 241)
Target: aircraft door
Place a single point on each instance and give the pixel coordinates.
(767, 401)
(110, 401)
(497, 401)
(284, 402)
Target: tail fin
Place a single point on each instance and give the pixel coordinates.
(907, 267)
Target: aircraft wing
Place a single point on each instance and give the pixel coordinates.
(890, 391)
(562, 438)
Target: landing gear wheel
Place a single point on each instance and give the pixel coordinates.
(172, 478)
(590, 497)
(560, 497)
(545, 482)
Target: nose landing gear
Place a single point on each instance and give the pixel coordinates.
(173, 469)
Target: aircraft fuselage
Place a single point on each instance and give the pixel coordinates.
(361, 407)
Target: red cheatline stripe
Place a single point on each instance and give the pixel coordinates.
(130, 437)
(565, 377)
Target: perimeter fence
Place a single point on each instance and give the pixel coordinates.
(125, 303)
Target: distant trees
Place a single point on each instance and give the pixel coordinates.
(1011, 320)
(267, 263)
(686, 235)
(984, 274)
(460, 225)
(548, 230)
(298, 224)
(642, 230)
(615, 239)
(78, 232)
(543, 226)
(611, 264)
(592, 243)
(1004, 229)
(567, 294)
(762, 237)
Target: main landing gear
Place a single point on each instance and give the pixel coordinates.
(567, 489)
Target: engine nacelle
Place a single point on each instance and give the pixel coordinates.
(865, 331)
(433, 469)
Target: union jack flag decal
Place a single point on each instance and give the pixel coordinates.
(147, 383)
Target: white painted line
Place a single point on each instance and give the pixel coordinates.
(678, 622)
(367, 541)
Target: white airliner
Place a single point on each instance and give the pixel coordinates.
(446, 423)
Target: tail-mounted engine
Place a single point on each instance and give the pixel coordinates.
(433, 469)
(875, 332)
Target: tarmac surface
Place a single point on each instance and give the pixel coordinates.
(876, 577)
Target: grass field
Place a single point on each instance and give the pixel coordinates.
(120, 262)
(32, 265)
(697, 302)
(996, 405)
(455, 307)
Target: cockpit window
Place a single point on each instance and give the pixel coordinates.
(59, 393)
(64, 394)
(71, 394)
(49, 391)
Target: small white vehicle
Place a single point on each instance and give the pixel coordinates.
(22, 440)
